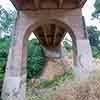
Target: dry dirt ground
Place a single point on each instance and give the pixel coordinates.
(74, 90)
(87, 90)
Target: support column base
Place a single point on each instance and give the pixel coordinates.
(14, 88)
(83, 66)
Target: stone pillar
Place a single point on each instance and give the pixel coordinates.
(55, 53)
(83, 65)
(15, 78)
(55, 65)
(81, 46)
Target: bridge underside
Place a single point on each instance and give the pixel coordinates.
(47, 4)
(50, 35)
(49, 26)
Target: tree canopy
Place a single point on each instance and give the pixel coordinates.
(4, 49)
(94, 35)
(7, 18)
(96, 13)
(36, 59)
(94, 38)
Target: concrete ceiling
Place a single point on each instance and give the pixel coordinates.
(50, 35)
(47, 4)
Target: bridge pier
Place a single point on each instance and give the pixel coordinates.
(83, 66)
(47, 25)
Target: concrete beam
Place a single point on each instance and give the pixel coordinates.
(82, 2)
(37, 3)
(61, 4)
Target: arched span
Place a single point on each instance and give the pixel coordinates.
(67, 28)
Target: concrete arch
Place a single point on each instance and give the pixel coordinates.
(67, 28)
(32, 27)
(80, 45)
(16, 66)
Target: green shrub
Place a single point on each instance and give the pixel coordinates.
(4, 49)
(36, 59)
(96, 52)
(47, 86)
(68, 75)
(67, 45)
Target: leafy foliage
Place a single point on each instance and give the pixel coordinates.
(36, 59)
(4, 49)
(96, 52)
(94, 37)
(7, 18)
(67, 44)
(68, 75)
(96, 13)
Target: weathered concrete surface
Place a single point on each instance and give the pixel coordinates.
(14, 89)
(29, 21)
(45, 4)
(56, 53)
(84, 60)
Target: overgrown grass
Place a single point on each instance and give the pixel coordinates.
(77, 90)
(57, 81)
(47, 86)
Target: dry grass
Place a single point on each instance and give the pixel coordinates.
(83, 90)
(87, 90)
(74, 90)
